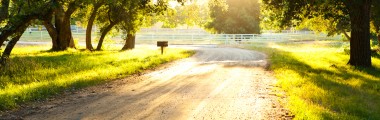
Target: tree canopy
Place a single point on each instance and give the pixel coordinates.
(375, 20)
(234, 16)
(339, 14)
(56, 16)
(17, 15)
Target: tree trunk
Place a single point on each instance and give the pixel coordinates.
(52, 33)
(89, 26)
(4, 36)
(4, 10)
(14, 27)
(16, 35)
(89, 30)
(129, 42)
(346, 35)
(64, 36)
(104, 33)
(9, 48)
(8, 32)
(360, 51)
(62, 27)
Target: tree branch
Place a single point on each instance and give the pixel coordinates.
(4, 10)
(346, 35)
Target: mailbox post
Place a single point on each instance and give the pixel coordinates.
(162, 44)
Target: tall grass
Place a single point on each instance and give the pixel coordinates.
(33, 73)
(320, 85)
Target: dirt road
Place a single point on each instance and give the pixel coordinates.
(216, 83)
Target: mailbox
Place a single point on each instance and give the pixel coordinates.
(162, 44)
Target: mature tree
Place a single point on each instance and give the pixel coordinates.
(218, 10)
(87, 15)
(130, 25)
(129, 17)
(234, 16)
(19, 17)
(191, 14)
(358, 12)
(58, 24)
(112, 15)
(56, 15)
(139, 15)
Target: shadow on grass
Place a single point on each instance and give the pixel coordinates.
(24, 65)
(51, 66)
(344, 100)
(40, 74)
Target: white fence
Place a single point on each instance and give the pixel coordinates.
(189, 36)
(231, 38)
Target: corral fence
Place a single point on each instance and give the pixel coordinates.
(231, 38)
(187, 36)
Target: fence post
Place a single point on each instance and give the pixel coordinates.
(234, 38)
(226, 39)
(192, 38)
(241, 38)
(41, 34)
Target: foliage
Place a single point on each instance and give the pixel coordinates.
(16, 13)
(17, 16)
(57, 16)
(135, 15)
(128, 16)
(320, 86)
(170, 18)
(234, 16)
(190, 14)
(375, 16)
(340, 15)
(34, 73)
(315, 16)
(375, 20)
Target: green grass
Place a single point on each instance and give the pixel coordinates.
(33, 73)
(320, 85)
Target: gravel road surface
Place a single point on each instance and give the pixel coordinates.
(215, 83)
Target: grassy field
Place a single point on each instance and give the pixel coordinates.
(320, 85)
(34, 73)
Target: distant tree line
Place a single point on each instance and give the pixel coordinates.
(234, 16)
